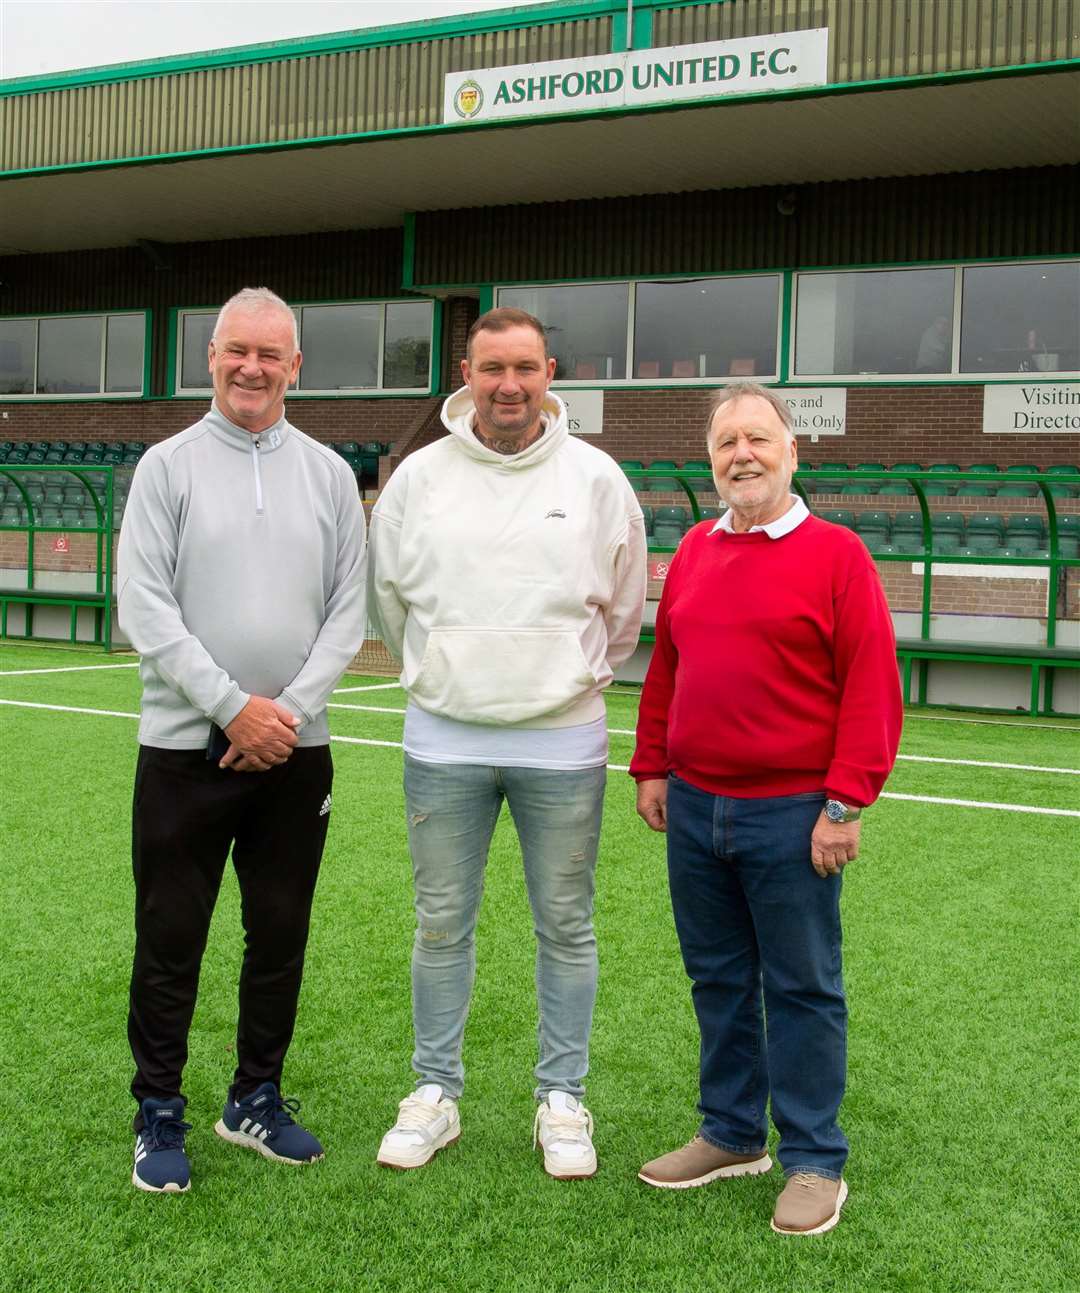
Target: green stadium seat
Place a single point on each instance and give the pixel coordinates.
(50, 515)
(135, 446)
(697, 464)
(35, 455)
(947, 542)
(1062, 491)
(907, 540)
(936, 489)
(834, 466)
(1025, 531)
(906, 466)
(55, 456)
(975, 491)
(662, 485)
(675, 515)
(838, 516)
(87, 518)
(947, 522)
(1018, 491)
(710, 513)
(11, 514)
(1018, 467)
(70, 516)
(93, 455)
(113, 456)
(873, 521)
(981, 525)
(631, 464)
(870, 466)
(666, 536)
(875, 540)
(54, 494)
(984, 467)
(647, 513)
(74, 455)
(896, 487)
(1069, 545)
(863, 487)
(944, 466)
(1069, 524)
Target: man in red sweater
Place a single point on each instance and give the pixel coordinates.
(770, 718)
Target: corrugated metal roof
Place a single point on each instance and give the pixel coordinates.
(1002, 122)
(397, 85)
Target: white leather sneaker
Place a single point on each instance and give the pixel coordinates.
(563, 1129)
(427, 1122)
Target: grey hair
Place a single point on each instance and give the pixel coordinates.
(257, 298)
(744, 390)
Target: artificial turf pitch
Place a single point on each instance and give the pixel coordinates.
(960, 940)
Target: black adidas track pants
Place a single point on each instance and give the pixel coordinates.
(186, 815)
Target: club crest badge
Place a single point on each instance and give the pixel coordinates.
(468, 100)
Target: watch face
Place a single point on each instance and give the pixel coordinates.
(835, 811)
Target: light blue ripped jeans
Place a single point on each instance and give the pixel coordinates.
(451, 811)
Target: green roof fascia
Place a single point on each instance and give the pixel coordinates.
(405, 132)
(528, 15)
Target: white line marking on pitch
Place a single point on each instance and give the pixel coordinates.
(979, 803)
(367, 709)
(614, 767)
(378, 686)
(73, 668)
(991, 722)
(68, 709)
(980, 763)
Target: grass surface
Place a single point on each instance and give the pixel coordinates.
(961, 966)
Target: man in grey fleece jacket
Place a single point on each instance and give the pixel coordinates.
(242, 586)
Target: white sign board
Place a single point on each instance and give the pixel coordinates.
(785, 61)
(584, 411)
(817, 410)
(1038, 407)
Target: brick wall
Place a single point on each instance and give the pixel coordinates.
(884, 424)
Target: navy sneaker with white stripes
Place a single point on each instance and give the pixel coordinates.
(264, 1121)
(161, 1166)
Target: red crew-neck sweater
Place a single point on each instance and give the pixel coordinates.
(774, 671)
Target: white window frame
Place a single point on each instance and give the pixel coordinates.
(101, 393)
(619, 383)
(955, 375)
(352, 392)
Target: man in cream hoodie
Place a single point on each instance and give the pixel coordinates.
(508, 576)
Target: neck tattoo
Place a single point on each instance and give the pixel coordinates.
(507, 447)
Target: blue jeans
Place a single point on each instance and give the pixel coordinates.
(452, 810)
(756, 921)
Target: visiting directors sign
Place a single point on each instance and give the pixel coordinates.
(785, 61)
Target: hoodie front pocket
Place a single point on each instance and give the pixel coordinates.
(482, 675)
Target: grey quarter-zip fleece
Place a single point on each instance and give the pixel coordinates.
(241, 572)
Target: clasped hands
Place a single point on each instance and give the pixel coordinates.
(261, 735)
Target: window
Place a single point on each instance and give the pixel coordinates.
(349, 348)
(954, 321)
(870, 322)
(692, 330)
(59, 356)
(585, 323)
(1021, 318)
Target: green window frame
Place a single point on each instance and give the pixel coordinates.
(103, 317)
(368, 391)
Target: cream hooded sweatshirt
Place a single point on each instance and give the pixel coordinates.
(510, 587)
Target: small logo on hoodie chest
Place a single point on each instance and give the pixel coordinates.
(555, 511)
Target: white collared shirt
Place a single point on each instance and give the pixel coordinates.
(791, 520)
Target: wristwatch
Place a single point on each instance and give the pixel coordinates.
(838, 812)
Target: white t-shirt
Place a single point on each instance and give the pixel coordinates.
(430, 738)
